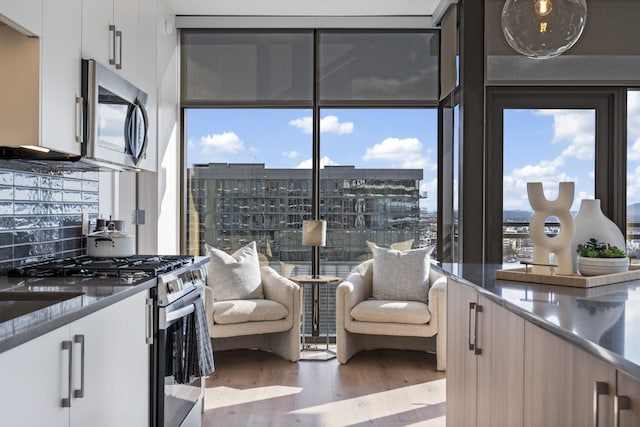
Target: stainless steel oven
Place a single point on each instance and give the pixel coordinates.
(177, 393)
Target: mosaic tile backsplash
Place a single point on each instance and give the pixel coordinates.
(41, 207)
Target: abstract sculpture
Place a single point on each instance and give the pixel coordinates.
(544, 245)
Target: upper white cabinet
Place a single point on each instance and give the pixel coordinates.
(24, 15)
(60, 103)
(110, 34)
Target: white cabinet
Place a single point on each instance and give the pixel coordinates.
(485, 353)
(108, 385)
(110, 34)
(60, 103)
(25, 15)
(34, 382)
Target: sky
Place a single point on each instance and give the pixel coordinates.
(364, 138)
(547, 146)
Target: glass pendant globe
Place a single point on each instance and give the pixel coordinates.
(543, 28)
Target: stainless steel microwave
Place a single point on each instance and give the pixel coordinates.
(115, 118)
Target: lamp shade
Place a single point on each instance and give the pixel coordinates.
(543, 28)
(314, 233)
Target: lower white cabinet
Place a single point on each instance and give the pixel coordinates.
(94, 371)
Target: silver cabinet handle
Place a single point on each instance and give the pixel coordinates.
(599, 388)
(472, 308)
(477, 350)
(620, 403)
(148, 310)
(79, 339)
(112, 53)
(67, 346)
(119, 37)
(79, 119)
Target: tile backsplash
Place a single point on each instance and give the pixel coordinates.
(41, 207)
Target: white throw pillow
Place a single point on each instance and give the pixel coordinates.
(401, 275)
(234, 276)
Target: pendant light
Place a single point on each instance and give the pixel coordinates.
(543, 28)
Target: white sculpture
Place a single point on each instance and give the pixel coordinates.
(559, 245)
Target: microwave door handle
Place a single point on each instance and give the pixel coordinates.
(79, 119)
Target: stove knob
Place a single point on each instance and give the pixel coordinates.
(174, 285)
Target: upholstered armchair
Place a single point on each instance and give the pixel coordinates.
(365, 321)
(245, 310)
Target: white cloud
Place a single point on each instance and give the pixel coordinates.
(228, 142)
(405, 152)
(574, 128)
(290, 154)
(328, 124)
(324, 161)
(331, 124)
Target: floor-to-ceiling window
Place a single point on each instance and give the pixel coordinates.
(265, 112)
(249, 102)
(549, 135)
(633, 173)
(547, 146)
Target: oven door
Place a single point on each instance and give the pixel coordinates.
(178, 398)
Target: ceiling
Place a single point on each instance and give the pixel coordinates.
(306, 8)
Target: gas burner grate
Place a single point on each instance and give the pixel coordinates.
(86, 266)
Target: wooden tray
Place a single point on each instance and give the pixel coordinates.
(520, 275)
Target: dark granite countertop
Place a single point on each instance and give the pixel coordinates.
(602, 320)
(95, 293)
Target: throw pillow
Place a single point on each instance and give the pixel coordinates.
(401, 275)
(235, 276)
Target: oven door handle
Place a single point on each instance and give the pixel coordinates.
(179, 313)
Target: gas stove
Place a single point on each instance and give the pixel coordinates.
(135, 266)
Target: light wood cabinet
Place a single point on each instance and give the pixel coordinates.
(100, 363)
(564, 385)
(485, 345)
(626, 403)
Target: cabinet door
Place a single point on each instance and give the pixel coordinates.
(34, 382)
(461, 362)
(560, 383)
(125, 15)
(629, 388)
(26, 14)
(60, 76)
(101, 400)
(135, 360)
(97, 40)
(500, 386)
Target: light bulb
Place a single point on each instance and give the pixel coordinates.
(542, 29)
(543, 7)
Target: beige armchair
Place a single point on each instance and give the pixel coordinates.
(271, 323)
(364, 323)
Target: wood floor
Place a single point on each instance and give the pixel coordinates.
(376, 388)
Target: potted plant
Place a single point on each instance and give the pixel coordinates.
(595, 258)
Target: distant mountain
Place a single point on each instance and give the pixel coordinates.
(516, 215)
(633, 214)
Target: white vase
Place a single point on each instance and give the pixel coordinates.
(591, 223)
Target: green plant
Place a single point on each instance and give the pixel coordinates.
(595, 249)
